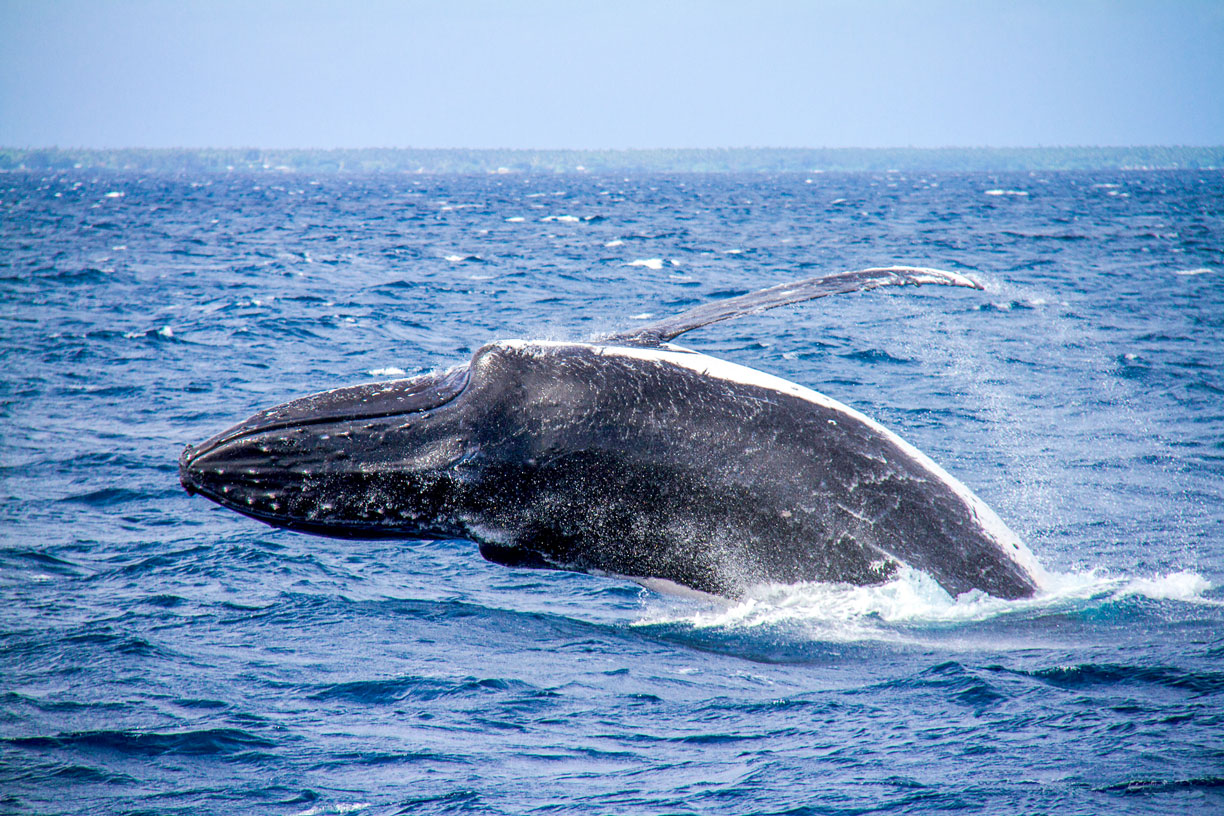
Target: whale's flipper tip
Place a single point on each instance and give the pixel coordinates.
(785, 294)
(922, 274)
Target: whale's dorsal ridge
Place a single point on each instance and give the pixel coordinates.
(784, 294)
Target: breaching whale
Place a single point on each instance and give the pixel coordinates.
(624, 456)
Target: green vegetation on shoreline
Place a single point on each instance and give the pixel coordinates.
(694, 160)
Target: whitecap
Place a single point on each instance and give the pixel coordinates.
(615, 243)
(649, 263)
(565, 219)
(389, 371)
(1176, 586)
(516, 219)
(338, 808)
(1006, 192)
(114, 194)
(1202, 270)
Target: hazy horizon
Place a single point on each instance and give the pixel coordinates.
(549, 75)
(685, 160)
(285, 148)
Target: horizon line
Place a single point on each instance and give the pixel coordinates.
(1153, 145)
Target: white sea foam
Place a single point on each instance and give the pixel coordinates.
(615, 243)
(515, 219)
(649, 263)
(1202, 270)
(1006, 192)
(850, 612)
(390, 371)
(1176, 586)
(339, 807)
(566, 219)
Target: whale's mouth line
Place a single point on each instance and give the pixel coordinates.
(191, 453)
(438, 390)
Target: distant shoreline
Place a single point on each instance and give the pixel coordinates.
(692, 160)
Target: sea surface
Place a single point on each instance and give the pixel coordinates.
(161, 655)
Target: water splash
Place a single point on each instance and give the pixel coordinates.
(842, 612)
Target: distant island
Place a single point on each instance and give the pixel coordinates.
(694, 160)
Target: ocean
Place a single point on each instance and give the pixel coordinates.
(161, 655)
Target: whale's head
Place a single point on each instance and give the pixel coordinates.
(365, 461)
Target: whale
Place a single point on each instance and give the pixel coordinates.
(625, 456)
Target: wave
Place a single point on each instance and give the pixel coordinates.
(383, 692)
(223, 741)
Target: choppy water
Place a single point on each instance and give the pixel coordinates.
(161, 655)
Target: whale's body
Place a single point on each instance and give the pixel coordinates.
(628, 457)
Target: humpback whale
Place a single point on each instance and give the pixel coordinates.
(627, 456)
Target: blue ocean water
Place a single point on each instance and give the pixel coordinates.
(161, 655)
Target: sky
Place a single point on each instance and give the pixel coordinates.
(625, 74)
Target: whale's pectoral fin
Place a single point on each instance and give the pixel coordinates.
(784, 294)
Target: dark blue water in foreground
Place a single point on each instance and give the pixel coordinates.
(161, 655)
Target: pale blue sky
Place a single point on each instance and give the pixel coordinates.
(585, 74)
